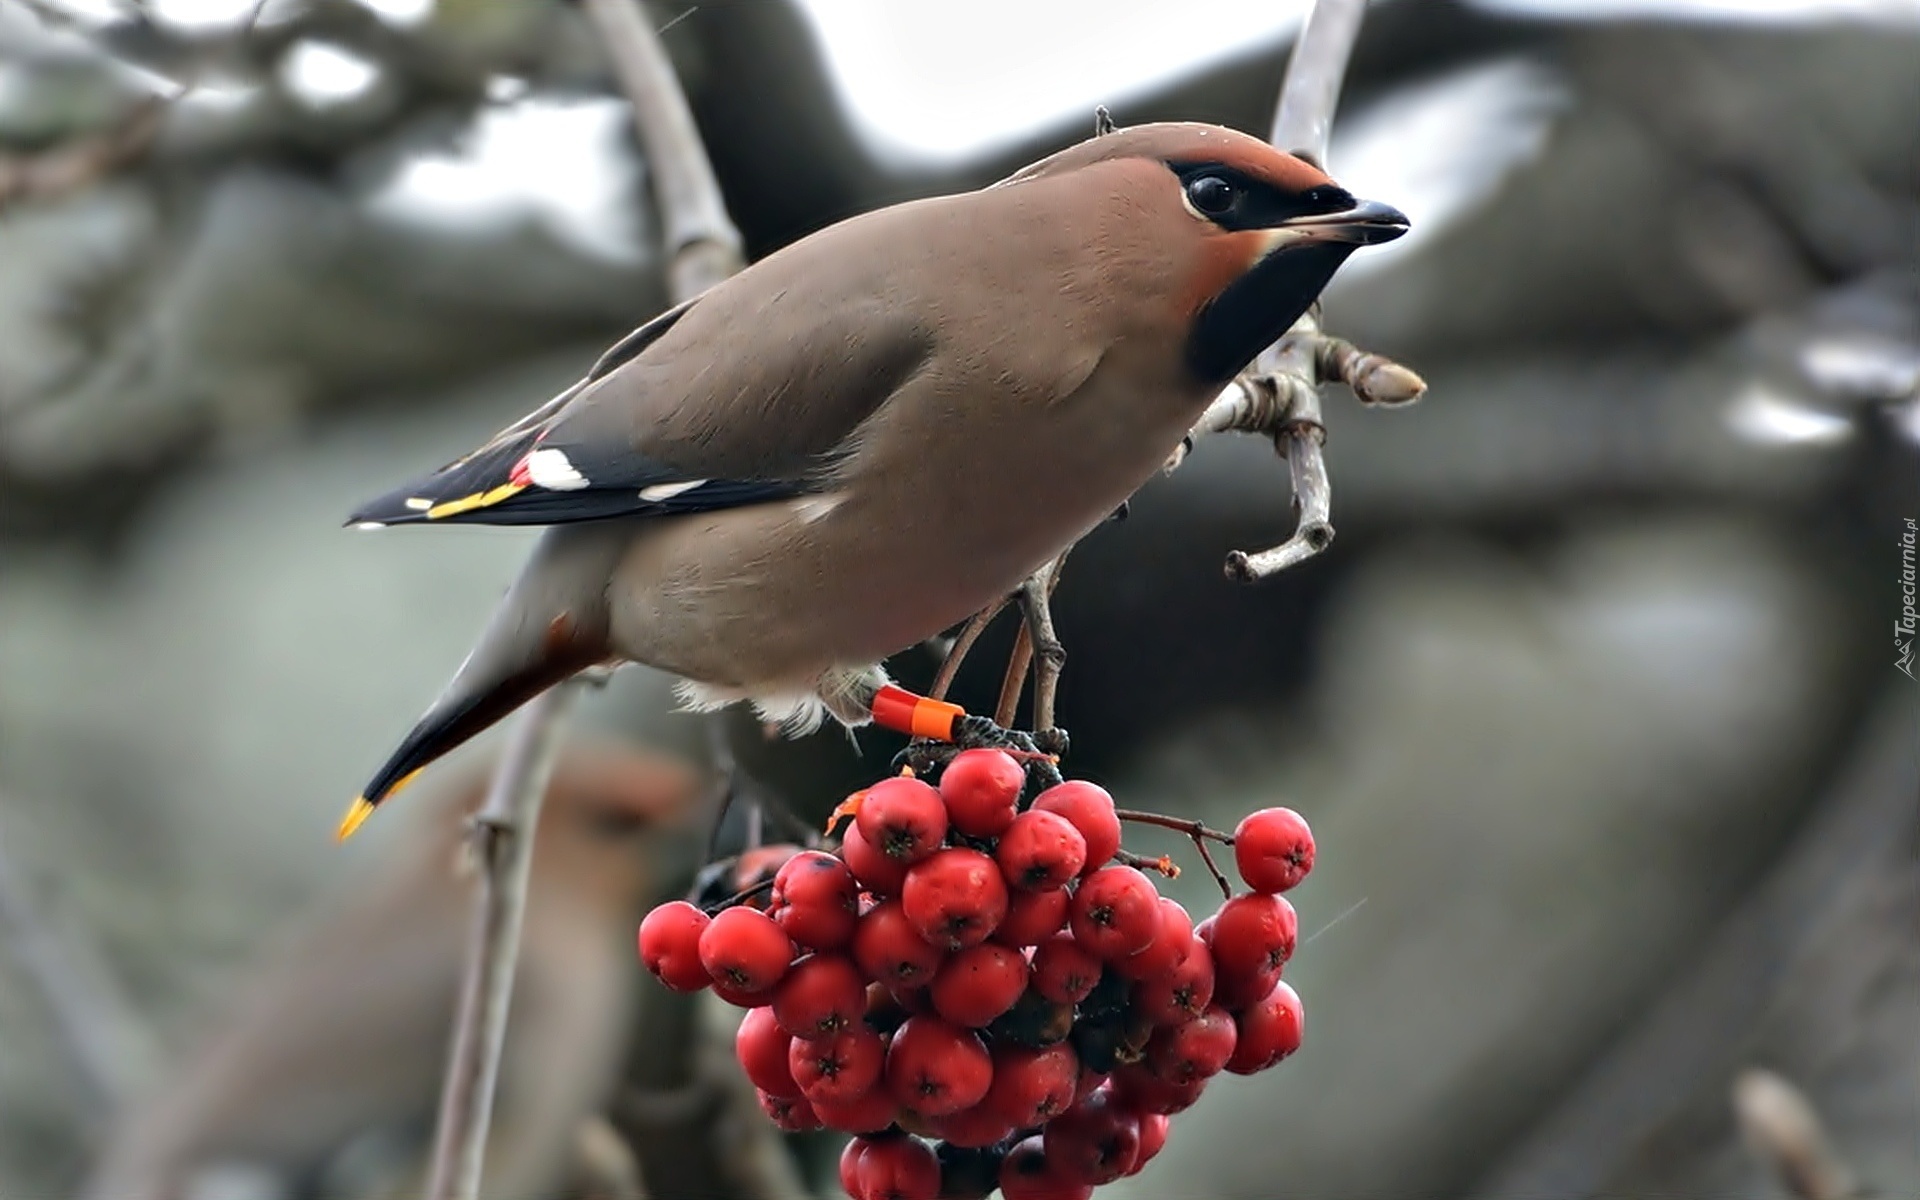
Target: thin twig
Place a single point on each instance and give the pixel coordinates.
(957, 653)
(1279, 395)
(1784, 1131)
(1198, 831)
(702, 244)
(1015, 679)
(503, 845)
(108, 1042)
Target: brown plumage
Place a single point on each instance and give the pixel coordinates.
(864, 438)
(323, 1075)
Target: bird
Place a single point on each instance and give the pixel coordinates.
(321, 1075)
(874, 432)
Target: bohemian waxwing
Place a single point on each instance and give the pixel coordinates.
(322, 1074)
(869, 435)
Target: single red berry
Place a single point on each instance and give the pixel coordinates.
(870, 1112)
(1090, 809)
(1097, 1140)
(876, 872)
(850, 1156)
(935, 1067)
(816, 900)
(982, 789)
(761, 1046)
(1153, 1138)
(1253, 934)
(1194, 1050)
(972, 1128)
(979, 983)
(1141, 1091)
(840, 1068)
(889, 950)
(1026, 1174)
(903, 818)
(955, 899)
(1031, 1087)
(791, 1113)
(1168, 949)
(670, 945)
(1269, 1030)
(743, 949)
(1041, 851)
(1115, 912)
(821, 994)
(1273, 849)
(1033, 917)
(1064, 971)
(1183, 993)
(899, 1168)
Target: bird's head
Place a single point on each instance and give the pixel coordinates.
(1260, 231)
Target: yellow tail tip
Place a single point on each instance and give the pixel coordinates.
(357, 814)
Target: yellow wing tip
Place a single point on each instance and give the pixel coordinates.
(357, 814)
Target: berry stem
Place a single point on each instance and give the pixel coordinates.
(1199, 831)
(1162, 865)
(765, 885)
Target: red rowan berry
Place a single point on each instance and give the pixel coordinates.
(850, 1156)
(1026, 1174)
(982, 788)
(1031, 1087)
(889, 950)
(743, 949)
(1064, 971)
(1032, 917)
(1269, 1030)
(761, 1046)
(670, 945)
(791, 1113)
(840, 1068)
(1097, 1140)
(1041, 851)
(1194, 1049)
(956, 898)
(1115, 912)
(876, 872)
(899, 1168)
(1153, 1138)
(979, 983)
(1091, 810)
(935, 1067)
(1273, 849)
(903, 818)
(1167, 950)
(1181, 994)
(816, 900)
(822, 993)
(1252, 935)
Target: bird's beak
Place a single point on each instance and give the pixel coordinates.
(1367, 223)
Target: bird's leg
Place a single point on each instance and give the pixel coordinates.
(1036, 604)
(957, 653)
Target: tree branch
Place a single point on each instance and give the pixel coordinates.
(1280, 395)
(503, 845)
(106, 1039)
(1783, 1131)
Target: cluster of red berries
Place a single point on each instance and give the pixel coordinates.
(983, 994)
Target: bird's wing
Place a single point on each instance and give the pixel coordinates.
(732, 399)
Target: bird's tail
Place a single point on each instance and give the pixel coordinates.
(552, 624)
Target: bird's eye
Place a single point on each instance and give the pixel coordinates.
(1212, 196)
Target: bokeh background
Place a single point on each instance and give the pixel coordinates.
(1593, 703)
